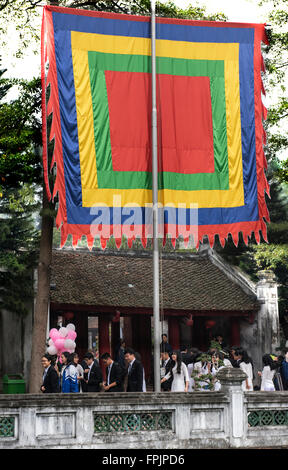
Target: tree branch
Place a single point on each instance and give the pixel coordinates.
(280, 66)
(4, 4)
(93, 4)
(33, 4)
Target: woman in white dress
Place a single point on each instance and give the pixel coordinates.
(179, 373)
(246, 366)
(268, 373)
(219, 361)
(202, 367)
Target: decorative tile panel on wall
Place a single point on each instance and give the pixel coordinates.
(268, 418)
(127, 422)
(7, 426)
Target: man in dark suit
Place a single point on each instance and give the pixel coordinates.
(50, 376)
(167, 365)
(84, 366)
(185, 355)
(165, 346)
(92, 374)
(114, 374)
(135, 372)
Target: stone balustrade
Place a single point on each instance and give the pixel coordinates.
(197, 420)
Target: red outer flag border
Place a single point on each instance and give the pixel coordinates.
(48, 51)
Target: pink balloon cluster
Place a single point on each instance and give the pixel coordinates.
(62, 340)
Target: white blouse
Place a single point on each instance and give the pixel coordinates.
(247, 368)
(178, 383)
(267, 379)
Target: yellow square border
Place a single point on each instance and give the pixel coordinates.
(91, 195)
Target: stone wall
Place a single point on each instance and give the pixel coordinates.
(15, 343)
(197, 420)
(269, 330)
(261, 335)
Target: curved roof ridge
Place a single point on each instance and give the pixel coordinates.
(234, 273)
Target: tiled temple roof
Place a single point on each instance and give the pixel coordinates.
(194, 282)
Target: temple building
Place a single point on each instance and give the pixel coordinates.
(109, 296)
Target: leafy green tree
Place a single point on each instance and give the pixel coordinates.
(19, 167)
(276, 62)
(4, 84)
(20, 171)
(272, 256)
(20, 135)
(26, 16)
(23, 10)
(18, 248)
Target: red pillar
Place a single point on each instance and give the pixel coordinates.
(104, 340)
(174, 332)
(127, 333)
(235, 332)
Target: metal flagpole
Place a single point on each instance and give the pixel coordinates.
(156, 316)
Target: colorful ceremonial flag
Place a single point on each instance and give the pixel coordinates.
(210, 126)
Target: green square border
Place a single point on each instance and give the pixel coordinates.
(107, 178)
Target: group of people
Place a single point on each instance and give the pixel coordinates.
(70, 376)
(194, 370)
(184, 370)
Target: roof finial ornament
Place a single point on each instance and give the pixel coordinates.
(204, 246)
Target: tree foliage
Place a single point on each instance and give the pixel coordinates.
(18, 248)
(25, 17)
(273, 256)
(20, 134)
(4, 84)
(254, 258)
(28, 8)
(276, 60)
(19, 168)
